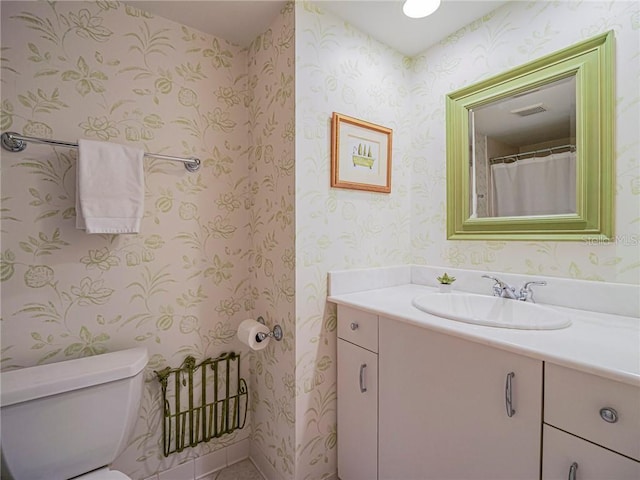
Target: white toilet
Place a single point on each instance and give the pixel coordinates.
(70, 419)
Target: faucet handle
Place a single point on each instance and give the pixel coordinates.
(497, 280)
(526, 294)
(498, 287)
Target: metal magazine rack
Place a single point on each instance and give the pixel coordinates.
(202, 401)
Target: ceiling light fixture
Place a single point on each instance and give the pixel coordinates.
(420, 8)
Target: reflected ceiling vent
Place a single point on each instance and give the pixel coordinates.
(529, 110)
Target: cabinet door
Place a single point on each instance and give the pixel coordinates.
(357, 412)
(443, 410)
(567, 457)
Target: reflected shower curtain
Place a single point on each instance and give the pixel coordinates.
(535, 186)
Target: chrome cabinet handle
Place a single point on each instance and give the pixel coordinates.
(363, 387)
(508, 394)
(354, 326)
(573, 471)
(609, 415)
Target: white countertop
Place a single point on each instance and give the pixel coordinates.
(603, 344)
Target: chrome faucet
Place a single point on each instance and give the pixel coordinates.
(526, 294)
(504, 290)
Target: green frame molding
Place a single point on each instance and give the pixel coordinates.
(591, 61)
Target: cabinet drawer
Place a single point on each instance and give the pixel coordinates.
(573, 401)
(561, 451)
(358, 327)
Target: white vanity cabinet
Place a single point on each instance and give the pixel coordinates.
(420, 403)
(592, 427)
(357, 395)
(451, 408)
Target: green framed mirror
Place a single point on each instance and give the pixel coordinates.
(530, 152)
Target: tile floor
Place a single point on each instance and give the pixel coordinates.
(244, 470)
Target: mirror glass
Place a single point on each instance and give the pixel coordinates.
(530, 151)
(523, 153)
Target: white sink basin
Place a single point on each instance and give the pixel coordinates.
(491, 311)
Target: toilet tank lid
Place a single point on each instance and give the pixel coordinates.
(44, 380)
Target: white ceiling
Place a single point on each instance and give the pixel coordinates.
(384, 20)
(240, 21)
(497, 121)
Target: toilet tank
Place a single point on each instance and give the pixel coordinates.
(64, 419)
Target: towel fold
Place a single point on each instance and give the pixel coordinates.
(109, 187)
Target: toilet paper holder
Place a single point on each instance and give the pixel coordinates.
(276, 333)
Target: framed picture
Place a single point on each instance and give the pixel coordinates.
(360, 154)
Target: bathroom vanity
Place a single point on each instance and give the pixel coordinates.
(424, 397)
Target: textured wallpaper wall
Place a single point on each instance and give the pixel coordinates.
(257, 229)
(338, 68)
(271, 227)
(209, 242)
(512, 35)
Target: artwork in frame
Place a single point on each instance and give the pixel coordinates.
(360, 154)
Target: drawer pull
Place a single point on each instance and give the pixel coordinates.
(573, 471)
(508, 394)
(363, 387)
(609, 415)
(354, 326)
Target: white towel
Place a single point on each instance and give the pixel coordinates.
(109, 187)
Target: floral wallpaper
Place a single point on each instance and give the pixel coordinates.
(338, 68)
(271, 257)
(205, 257)
(256, 230)
(512, 35)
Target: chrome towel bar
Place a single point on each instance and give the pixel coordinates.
(14, 142)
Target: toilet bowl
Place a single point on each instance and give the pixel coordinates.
(70, 419)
